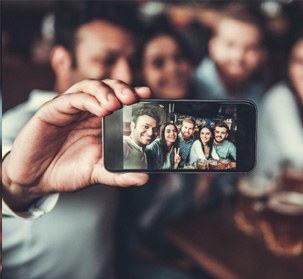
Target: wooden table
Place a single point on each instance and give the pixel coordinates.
(214, 243)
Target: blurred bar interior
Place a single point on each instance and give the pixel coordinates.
(25, 54)
(245, 227)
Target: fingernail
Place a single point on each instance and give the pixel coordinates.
(141, 88)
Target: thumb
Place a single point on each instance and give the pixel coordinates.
(119, 179)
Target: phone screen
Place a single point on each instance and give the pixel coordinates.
(181, 136)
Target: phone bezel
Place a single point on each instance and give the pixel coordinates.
(246, 138)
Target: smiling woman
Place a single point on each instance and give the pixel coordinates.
(163, 153)
(164, 63)
(295, 69)
(202, 148)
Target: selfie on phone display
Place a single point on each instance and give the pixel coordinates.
(179, 141)
(168, 135)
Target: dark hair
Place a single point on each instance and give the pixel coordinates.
(163, 145)
(153, 31)
(294, 40)
(222, 125)
(71, 15)
(150, 111)
(211, 141)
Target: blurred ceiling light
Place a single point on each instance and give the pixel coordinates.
(48, 27)
(152, 9)
(271, 8)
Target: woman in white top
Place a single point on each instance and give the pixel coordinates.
(281, 119)
(163, 153)
(202, 148)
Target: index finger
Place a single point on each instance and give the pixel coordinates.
(110, 93)
(127, 94)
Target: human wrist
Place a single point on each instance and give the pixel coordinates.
(16, 196)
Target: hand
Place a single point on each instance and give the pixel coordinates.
(60, 148)
(177, 157)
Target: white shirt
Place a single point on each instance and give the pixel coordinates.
(209, 85)
(196, 153)
(280, 131)
(134, 156)
(167, 160)
(74, 239)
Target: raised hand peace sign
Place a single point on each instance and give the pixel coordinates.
(177, 157)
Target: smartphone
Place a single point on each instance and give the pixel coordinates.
(191, 136)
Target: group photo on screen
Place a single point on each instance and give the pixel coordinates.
(172, 135)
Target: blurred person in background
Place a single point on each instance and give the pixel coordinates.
(164, 66)
(236, 52)
(73, 238)
(281, 128)
(164, 62)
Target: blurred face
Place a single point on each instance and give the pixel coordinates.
(187, 130)
(236, 50)
(103, 50)
(205, 135)
(170, 134)
(165, 70)
(220, 134)
(144, 131)
(295, 68)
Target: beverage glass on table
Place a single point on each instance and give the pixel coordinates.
(233, 164)
(202, 165)
(212, 164)
(188, 166)
(291, 178)
(252, 193)
(224, 164)
(281, 223)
